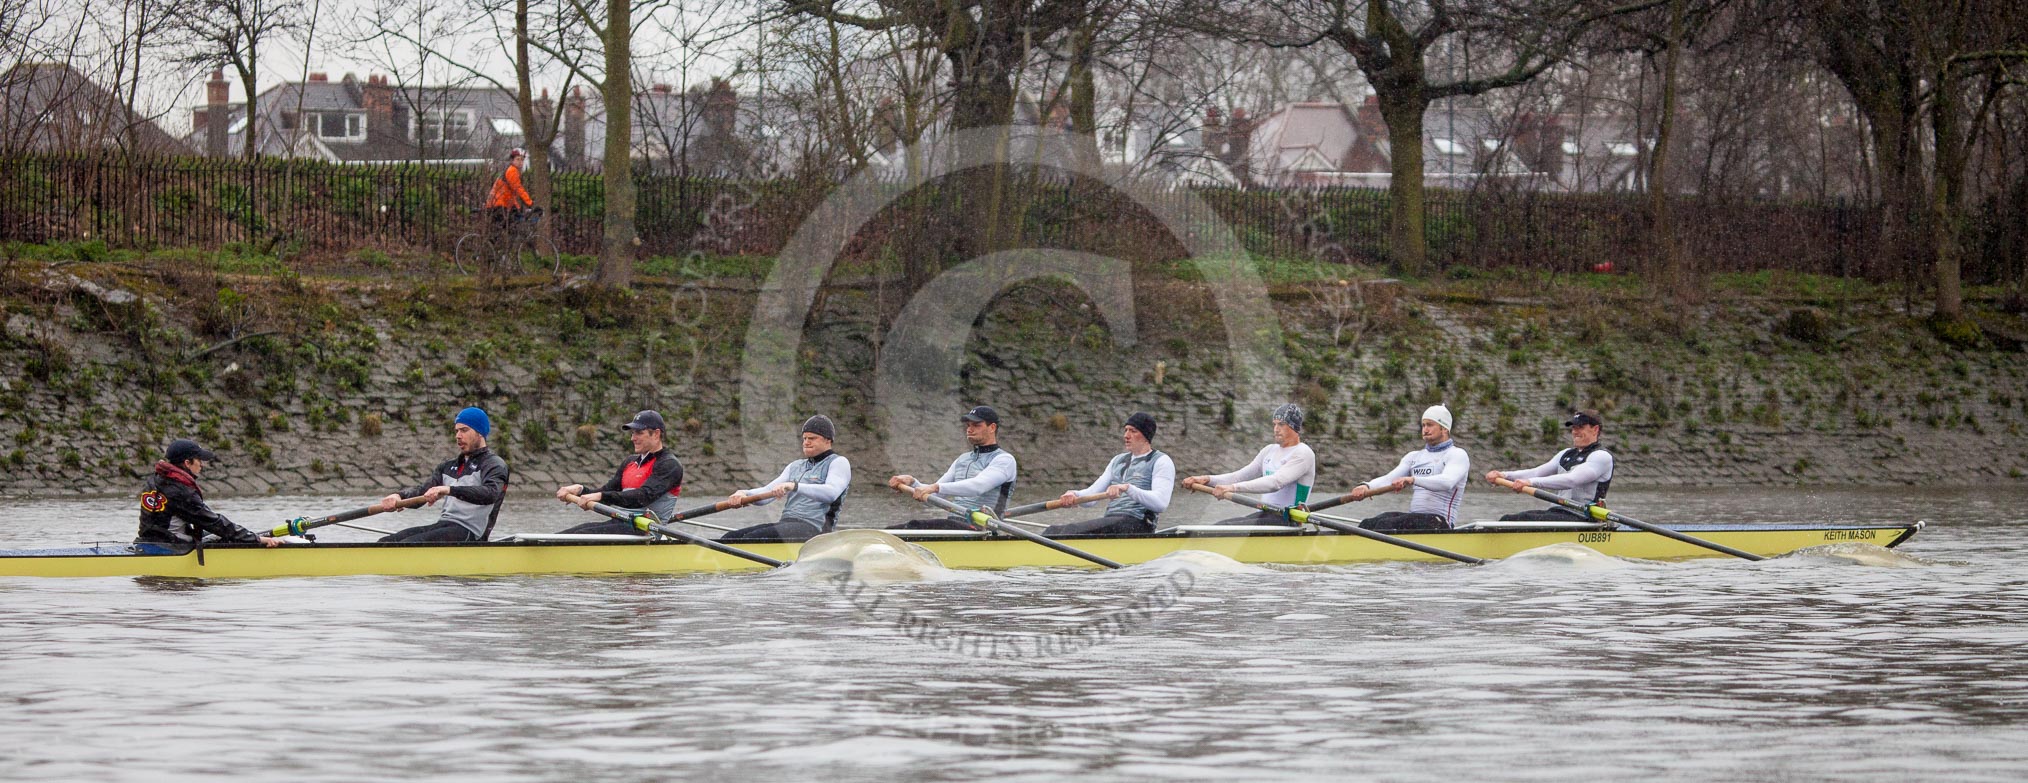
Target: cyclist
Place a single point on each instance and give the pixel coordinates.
(509, 198)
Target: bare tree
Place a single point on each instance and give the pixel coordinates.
(234, 33)
(612, 27)
(1392, 41)
(1910, 65)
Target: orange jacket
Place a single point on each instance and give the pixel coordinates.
(507, 190)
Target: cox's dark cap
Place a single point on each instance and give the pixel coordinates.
(821, 426)
(1143, 422)
(1583, 417)
(645, 420)
(981, 414)
(182, 449)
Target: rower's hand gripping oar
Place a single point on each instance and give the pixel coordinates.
(1300, 516)
(300, 525)
(989, 522)
(648, 524)
(1602, 514)
(1052, 505)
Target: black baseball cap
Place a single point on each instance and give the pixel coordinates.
(645, 420)
(981, 414)
(1583, 417)
(183, 449)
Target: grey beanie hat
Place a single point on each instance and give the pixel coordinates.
(1291, 415)
(821, 426)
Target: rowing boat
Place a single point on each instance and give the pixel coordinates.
(558, 554)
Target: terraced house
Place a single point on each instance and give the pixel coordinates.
(359, 121)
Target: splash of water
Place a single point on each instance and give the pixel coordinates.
(1855, 553)
(870, 556)
(1563, 556)
(1197, 562)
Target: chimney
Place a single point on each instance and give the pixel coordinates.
(544, 108)
(320, 77)
(217, 93)
(377, 98)
(663, 89)
(1214, 131)
(1239, 144)
(574, 129)
(721, 107)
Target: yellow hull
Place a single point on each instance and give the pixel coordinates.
(664, 557)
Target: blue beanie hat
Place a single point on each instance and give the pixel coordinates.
(477, 420)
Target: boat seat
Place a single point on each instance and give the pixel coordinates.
(1529, 525)
(1193, 530)
(541, 537)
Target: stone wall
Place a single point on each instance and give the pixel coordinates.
(359, 398)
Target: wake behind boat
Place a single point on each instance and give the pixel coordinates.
(560, 554)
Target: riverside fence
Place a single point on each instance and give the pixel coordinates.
(327, 209)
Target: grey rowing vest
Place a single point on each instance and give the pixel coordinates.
(1569, 459)
(797, 507)
(470, 516)
(1138, 472)
(660, 508)
(972, 464)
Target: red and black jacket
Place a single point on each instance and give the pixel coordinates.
(642, 479)
(173, 512)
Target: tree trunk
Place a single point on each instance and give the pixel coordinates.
(1407, 246)
(616, 256)
(1946, 218)
(247, 81)
(1674, 277)
(1083, 101)
(538, 132)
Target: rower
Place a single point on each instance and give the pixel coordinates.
(814, 487)
(174, 517)
(1139, 481)
(1437, 471)
(1582, 472)
(1283, 472)
(980, 479)
(471, 485)
(648, 482)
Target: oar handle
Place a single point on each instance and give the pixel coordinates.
(1343, 526)
(1602, 514)
(988, 522)
(296, 527)
(1332, 502)
(648, 524)
(1052, 505)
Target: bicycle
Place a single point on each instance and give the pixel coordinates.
(502, 247)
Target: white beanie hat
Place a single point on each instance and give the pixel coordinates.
(1439, 414)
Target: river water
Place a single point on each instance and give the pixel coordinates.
(1800, 668)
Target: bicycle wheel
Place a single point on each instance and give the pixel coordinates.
(546, 255)
(472, 250)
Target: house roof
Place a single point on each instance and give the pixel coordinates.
(288, 112)
(1303, 137)
(53, 106)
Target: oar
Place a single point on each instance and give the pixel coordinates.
(1050, 505)
(1602, 514)
(296, 527)
(648, 523)
(1334, 502)
(989, 522)
(1299, 516)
